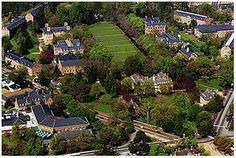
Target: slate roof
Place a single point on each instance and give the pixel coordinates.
(16, 23)
(153, 21)
(191, 15)
(13, 119)
(170, 38)
(35, 10)
(55, 29)
(160, 78)
(230, 41)
(73, 134)
(44, 116)
(71, 60)
(188, 52)
(207, 95)
(69, 45)
(214, 28)
(31, 96)
(20, 59)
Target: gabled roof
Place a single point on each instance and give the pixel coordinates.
(207, 95)
(20, 59)
(16, 23)
(69, 45)
(230, 41)
(170, 38)
(35, 10)
(13, 119)
(192, 15)
(55, 29)
(44, 116)
(188, 52)
(71, 60)
(214, 28)
(153, 21)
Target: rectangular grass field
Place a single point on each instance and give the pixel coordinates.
(114, 39)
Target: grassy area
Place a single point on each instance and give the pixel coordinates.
(203, 84)
(103, 108)
(114, 39)
(196, 44)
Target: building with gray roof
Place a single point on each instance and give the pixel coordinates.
(48, 122)
(68, 46)
(206, 96)
(154, 25)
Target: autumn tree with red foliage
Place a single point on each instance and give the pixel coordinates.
(46, 57)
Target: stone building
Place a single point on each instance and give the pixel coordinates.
(11, 29)
(68, 46)
(171, 39)
(213, 30)
(187, 53)
(32, 98)
(16, 61)
(46, 121)
(154, 25)
(69, 63)
(31, 14)
(50, 32)
(158, 80)
(206, 96)
(228, 47)
(187, 17)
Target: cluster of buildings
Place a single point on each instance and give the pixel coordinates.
(159, 80)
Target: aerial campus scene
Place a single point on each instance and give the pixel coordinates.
(117, 78)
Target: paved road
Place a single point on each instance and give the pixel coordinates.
(220, 120)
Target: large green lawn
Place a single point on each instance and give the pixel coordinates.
(203, 84)
(114, 39)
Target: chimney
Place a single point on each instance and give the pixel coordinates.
(187, 50)
(68, 28)
(152, 16)
(48, 28)
(145, 17)
(46, 25)
(65, 23)
(17, 114)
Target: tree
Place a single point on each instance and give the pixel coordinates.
(84, 142)
(46, 57)
(141, 136)
(141, 148)
(214, 105)
(128, 83)
(23, 40)
(6, 44)
(137, 22)
(224, 144)
(54, 20)
(58, 145)
(82, 32)
(204, 123)
(193, 23)
(132, 65)
(148, 104)
(99, 51)
(19, 76)
(97, 90)
(148, 88)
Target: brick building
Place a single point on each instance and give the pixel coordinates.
(16, 61)
(69, 63)
(50, 32)
(187, 17)
(213, 30)
(68, 46)
(48, 122)
(154, 25)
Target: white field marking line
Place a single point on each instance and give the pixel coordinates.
(107, 42)
(110, 35)
(124, 52)
(115, 45)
